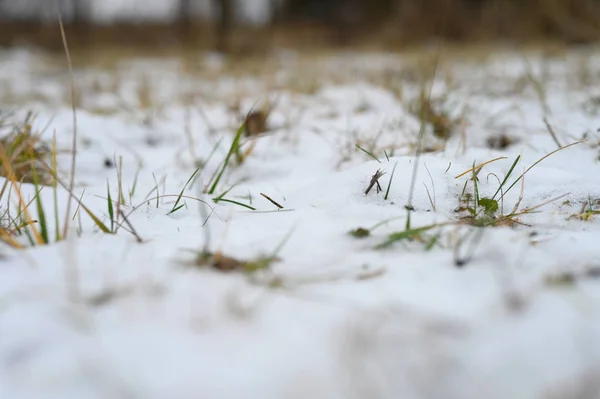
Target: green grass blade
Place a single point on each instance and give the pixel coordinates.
(41, 216)
(507, 176)
(387, 192)
(368, 153)
(111, 211)
(40, 207)
(122, 196)
(220, 197)
(404, 235)
(96, 220)
(176, 207)
(432, 242)
(475, 190)
(155, 188)
(537, 162)
(236, 203)
(134, 186)
(78, 204)
(233, 149)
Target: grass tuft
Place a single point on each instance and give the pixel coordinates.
(24, 150)
(225, 263)
(486, 211)
(589, 209)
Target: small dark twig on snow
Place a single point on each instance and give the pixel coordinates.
(375, 181)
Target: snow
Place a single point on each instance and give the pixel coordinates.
(99, 315)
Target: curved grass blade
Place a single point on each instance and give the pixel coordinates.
(176, 207)
(237, 203)
(537, 162)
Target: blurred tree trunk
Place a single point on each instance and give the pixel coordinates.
(575, 21)
(347, 19)
(224, 24)
(184, 19)
(80, 19)
(274, 10)
(81, 13)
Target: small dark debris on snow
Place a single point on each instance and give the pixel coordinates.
(106, 296)
(569, 278)
(360, 232)
(256, 123)
(593, 272)
(501, 142)
(218, 261)
(228, 264)
(108, 163)
(86, 142)
(561, 279)
(272, 201)
(370, 273)
(375, 182)
(152, 141)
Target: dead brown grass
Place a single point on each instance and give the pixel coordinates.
(24, 150)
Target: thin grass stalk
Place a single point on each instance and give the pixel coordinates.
(74, 139)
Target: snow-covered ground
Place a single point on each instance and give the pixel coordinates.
(457, 312)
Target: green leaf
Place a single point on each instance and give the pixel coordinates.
(490, 205)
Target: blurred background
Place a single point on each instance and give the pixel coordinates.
(254, 26)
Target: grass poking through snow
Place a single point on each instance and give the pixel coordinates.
(233, 149)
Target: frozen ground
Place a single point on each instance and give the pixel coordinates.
(457, 312)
